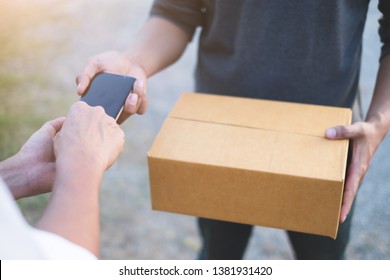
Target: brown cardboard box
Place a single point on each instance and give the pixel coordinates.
(251, 161)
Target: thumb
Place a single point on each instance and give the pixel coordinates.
(53, 126)
(57, 123)
(355, 130)
(83, 82)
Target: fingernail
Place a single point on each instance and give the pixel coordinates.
(133, 99)
(330, 133)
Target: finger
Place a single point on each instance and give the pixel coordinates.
(140, 89)
(129, 108)
(57, 123)
(131, 104)
(91, 68)
(136, 102)
(53, 126)
(348, 198)
(355, 130)
(356, 173)
(83, 82)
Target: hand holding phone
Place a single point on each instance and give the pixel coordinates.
(109, 91)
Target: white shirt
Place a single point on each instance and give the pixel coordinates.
(19, 240)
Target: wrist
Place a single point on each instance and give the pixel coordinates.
(78, 171)
(379, 121)
(136, 57)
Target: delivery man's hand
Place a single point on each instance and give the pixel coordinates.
(365, 138)
(117, 63)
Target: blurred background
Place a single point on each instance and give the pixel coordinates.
(43, 46)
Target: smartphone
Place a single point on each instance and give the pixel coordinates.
(109, 91)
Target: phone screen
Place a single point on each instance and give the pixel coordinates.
(109, 91)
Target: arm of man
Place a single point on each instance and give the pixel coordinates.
(366, 136)
(158, 44)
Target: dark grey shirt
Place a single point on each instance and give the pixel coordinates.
(301, 51)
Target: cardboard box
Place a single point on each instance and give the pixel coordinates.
(251, 161)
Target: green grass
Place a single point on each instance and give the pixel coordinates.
(15, 130)
(32, 207)
(26, 87)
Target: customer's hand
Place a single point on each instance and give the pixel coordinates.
(89, 138)
(88, 143)
(117, 63)
(34, 165)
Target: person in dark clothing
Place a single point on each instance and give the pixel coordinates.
(299, 51)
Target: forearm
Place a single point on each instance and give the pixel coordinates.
(24, 179)
(158, 44)
(73, 209)
(14, 175)
(379, 110)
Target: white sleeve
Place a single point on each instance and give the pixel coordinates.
(18, 240)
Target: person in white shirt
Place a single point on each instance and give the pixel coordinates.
(67, 156)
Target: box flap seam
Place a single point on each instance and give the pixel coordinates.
(246, 126)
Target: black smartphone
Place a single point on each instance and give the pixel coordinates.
(109, 91)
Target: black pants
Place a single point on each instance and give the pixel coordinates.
(225, 240)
